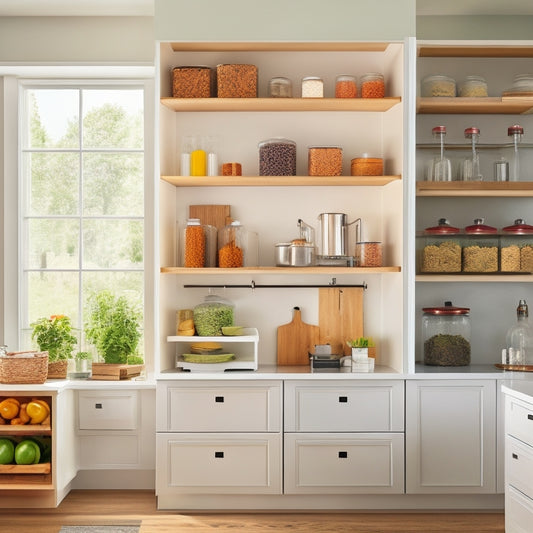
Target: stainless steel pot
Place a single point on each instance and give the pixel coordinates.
(334, 234)
(282, 254)
(302, 255)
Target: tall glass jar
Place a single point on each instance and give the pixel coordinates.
(231, 245)
(471, 168)
(515, 131)
(198, 245)
(212, 315)
(446, 335)
(440, 167)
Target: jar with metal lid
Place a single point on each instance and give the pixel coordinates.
(515, 131)
(473, 86)
(446, 335)
(345, 86)
(212, 315)
(522, 84)
(372, 85)
(438, 85)
(439, 249)
(277, 157)
(198, 245)
(231, 245)
(312, 87)
(516, 247)
(480, 248)
(280, 87)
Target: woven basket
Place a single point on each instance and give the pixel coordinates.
(57, 369)
(24, 367)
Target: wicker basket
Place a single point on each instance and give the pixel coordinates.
(57, 369)
(24, 367)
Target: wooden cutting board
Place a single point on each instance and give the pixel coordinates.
(214, 215)
(340, 317)
(295, 340)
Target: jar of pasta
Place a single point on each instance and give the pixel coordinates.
(231, 245)
(198, 245)
(481, 247)
(473, 86)
(439, 249)
(516, 247)
(438, 85)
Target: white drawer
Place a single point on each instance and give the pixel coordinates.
(107, 410)
(519, 465)
(518, 512)
(109, 451)
(233, 463)
(237, 406)
(520, 420)
(344, 463)
(333, 406)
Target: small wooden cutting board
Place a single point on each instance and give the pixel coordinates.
(295, 340)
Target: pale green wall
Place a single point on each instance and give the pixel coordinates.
(284, 20)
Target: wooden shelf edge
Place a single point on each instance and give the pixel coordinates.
(280, 46)
(475, 188)
(475, 50)
(476, 278)
(281, 270)
(520, 105)
(24, 429)
(279, 181)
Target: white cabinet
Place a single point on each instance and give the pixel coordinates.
(450, 436)
(344, 438)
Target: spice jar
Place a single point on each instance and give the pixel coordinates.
(473, 86)
(280, 87)
(277, 157)
(212, 315)
(480, 249)
(516, 247)
(345, 86)
(198, 245)
(438, 85)
(366, 166)
(446, 335)
(439, 249)
(231, 245)
(372, 85)
(312, 87)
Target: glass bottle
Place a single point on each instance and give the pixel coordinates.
(516, 133)
(519, 338)
(440, 167)
(198, 158)
(471, 170)
(185, 157)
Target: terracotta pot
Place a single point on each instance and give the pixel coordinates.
(57, 369)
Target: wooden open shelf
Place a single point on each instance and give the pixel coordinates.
(475, 50)
(475, 188)
(468, 278)
(282, 270)
(24, 430)
(507, 105)
(281, 46)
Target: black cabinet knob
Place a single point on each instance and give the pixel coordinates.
(219, 399)
(219, 455)
(343, 399)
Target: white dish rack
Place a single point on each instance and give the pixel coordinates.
(243, 346)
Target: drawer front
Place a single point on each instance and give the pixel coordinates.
(518, 512)
(239, 407)
(219, 464)
(333, 406)
(519, 465)
(520, 420)
(343, 464)
(109, 451)
(113, 410)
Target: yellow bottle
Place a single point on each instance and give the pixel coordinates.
(198, 163)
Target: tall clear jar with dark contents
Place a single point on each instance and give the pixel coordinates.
(446, 335)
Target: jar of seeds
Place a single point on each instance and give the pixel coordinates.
(277, 157)
(212, 315)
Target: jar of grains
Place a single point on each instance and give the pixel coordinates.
(280, 87)
(198, 245)
(480, 248)
(372, 85)
(231, 245)
(438, 85)
(366, 166)
(473, 86)
(345, 86)
(212, 315)
(368, 254)
(439, 249)
(324, 161)
(277, 157)
(312, 87)
(516, 247)
(446, 335)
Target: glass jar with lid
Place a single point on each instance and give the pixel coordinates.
(439, 249)
(480, 248)
(312, 87)
(516, 247)
(438, 85)
(522, 83)
(473, 86)
(231, 245)
(280, 87)
(277, 157)
(345, 86)
(372, 85)
(446, 335)
(515, 132)
(198, 245)
(212, 315)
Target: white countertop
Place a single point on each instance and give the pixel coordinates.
(522, 390)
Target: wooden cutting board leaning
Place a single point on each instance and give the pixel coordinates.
(296, 340)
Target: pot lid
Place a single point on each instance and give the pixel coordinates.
(443, 228)
(478, 228)
(447, 310)
(519, 227)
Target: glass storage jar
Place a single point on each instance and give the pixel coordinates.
(446, 335)
(324, 161)
(522, 84)
(312, 87)
(439, 249)
(516, 247)
(280, 87)
(198, 245)
(345, 86)
(438, 85)
(480, 248)
(231, 245)
(366, 166)
(212, 315)
(473, 86)
(372, 85)
(277, 157)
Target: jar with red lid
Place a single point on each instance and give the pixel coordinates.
(516, 247)
(439, 249)
(480, 248)
(446, 335)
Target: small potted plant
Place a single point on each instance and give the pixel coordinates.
(82, 365)
(363, 346)
(54, 335)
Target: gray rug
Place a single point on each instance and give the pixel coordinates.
(99, 529)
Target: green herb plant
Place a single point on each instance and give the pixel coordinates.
(114, 327)
(54, 335)
(361, 342)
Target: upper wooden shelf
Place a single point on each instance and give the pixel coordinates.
(475, 50)
(468, 278)
(508, 105)
(282, 270)
(281, 46)
(475, 188)
(277, 181)
(281, 104)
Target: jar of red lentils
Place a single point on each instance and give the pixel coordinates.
(198, 245)
(231, 245)
(372, 85)
(366, 166)
(345, 86)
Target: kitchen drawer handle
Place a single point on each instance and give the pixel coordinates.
(343, 455)
(219, 455)
(343, 399)
(219, 399)
(98, 406)
(530, 417)
(515, 456)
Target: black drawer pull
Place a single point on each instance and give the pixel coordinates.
(219, 455)
(219, 399)
(343, 455)
(530, 417)
(98, 406)
(515, 456)
(343, 399)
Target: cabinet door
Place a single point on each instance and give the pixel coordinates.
(451, 436)
(518, 512)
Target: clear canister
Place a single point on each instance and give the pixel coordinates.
(280, 87)
(312, 87)
(324, 161)
(439, 249)
(372, 85)
(438, 85)
(345, 86)
(473, 86)
(366, 166)
(277, 157)
(212, 315)
(231, 245)
(368, 254)
(516, 247)
(446, 335)
(198, 245)
(480, 248)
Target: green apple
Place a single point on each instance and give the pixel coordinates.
(7, 451)
(27, 452)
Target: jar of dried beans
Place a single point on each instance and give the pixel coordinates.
(480, 248)
(516, 247)
(372, 85)
(231, 245)
(439, 249)
(345, 87)
(277, 157)
(198, 245)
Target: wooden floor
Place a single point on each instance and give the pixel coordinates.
(139, 507)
